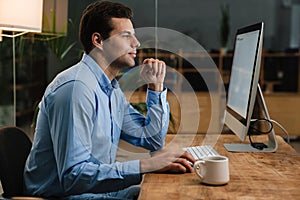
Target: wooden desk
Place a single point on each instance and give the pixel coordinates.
(252, 176)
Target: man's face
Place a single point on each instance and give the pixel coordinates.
(120, 47)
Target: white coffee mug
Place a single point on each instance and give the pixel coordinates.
(213, 170)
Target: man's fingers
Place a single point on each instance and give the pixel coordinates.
(161, 68)
(154, 66)
(185, 163)
(188, 156)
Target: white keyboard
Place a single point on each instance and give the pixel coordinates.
(201, 152)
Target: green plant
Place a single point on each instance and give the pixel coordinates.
(62, 45)
(224, 26)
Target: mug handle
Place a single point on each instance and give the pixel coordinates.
(197, 167)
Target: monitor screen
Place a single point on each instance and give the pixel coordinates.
(242, 72)
(244, 78)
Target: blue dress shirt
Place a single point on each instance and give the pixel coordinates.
(82, 117)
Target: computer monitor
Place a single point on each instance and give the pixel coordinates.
(244, 93)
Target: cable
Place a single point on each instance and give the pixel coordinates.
(282, 128)
(255, 127)
(253, 130)
(257, 145)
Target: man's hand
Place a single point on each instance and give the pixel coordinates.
(168, 160)
(154, 72)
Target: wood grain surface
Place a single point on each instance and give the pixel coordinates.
(252, 175)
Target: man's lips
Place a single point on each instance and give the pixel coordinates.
(133, 54)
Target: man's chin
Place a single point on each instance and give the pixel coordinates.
(128, 65)
(131, 63)
(124, 64)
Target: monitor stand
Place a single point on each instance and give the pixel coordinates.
(260, 111)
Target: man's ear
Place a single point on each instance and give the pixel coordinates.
(97, 40)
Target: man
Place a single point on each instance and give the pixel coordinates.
(84, 114)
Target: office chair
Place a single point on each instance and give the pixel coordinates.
(14, 149)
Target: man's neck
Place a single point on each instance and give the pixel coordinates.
(110, 71)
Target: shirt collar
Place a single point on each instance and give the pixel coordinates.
(104, 82)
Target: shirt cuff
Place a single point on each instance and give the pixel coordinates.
(154, 97)
(131, 172)
(131, 167)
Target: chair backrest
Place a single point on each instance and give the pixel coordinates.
(14, 149)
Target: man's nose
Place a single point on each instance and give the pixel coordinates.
(136, 42)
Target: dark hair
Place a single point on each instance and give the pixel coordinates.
(97, 18)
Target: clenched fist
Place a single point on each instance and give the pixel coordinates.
(153, 72)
